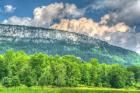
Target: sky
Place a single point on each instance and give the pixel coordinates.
(114, 21)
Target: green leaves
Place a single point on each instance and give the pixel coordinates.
(18, 68)
(118, 76)
(11, 81)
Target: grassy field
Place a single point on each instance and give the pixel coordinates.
(66, 90)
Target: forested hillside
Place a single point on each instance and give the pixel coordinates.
(56, 42)
(19, 68)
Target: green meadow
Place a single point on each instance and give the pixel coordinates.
(66, 90)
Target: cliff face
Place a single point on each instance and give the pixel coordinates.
(56, 42)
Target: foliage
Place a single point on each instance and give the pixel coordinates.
(18, 68)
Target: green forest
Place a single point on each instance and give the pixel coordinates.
(18, 68)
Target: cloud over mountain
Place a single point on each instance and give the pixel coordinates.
(90, 27)
(114, 27)
(118, 34)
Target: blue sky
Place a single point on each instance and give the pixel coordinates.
(120, 17)
(24, 8)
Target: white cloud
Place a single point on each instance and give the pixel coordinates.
(9, 8)
(117, 34)
(90, 27)
(72, 10)
(127, 40)
(18, 21)
(45, 15)
(124, 10)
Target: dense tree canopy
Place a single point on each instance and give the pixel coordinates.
(18, 68)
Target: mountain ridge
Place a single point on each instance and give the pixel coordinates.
(62, 31)
(34, 39)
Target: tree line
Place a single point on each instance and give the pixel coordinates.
(19, 68)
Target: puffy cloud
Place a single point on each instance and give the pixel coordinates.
(9, 8)
(18, 21)
(45, 15)
(118, 34)
(129, 40)
(105, 19)
(72, 10)
(123, 10)
(108, 3)
(90, 27)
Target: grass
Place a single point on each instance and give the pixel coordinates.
(67, 90)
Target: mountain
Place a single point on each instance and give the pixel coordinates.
(56, 42)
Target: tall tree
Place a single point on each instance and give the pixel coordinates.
(136, 71)
(118, 76)
(37, 62)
